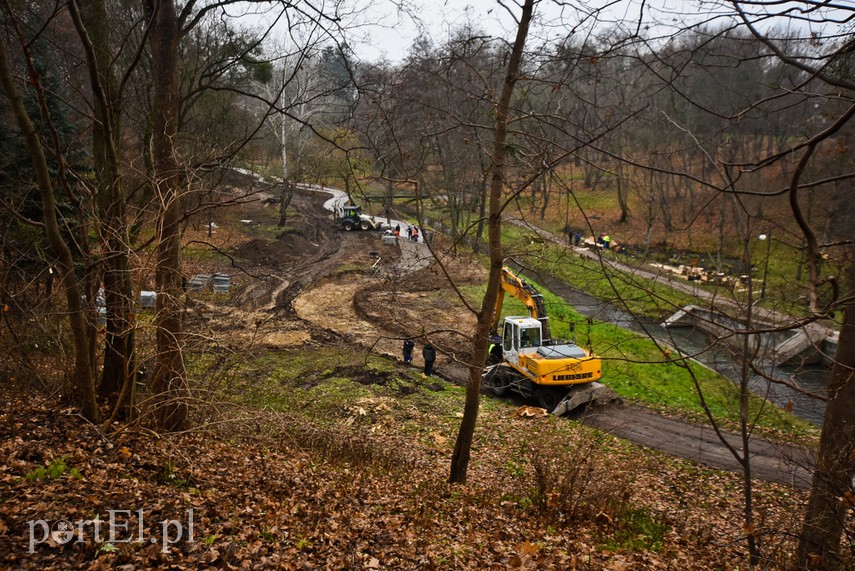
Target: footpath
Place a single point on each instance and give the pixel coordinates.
(803, 336)
(774, 462)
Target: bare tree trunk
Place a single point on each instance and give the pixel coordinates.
(169, 380)
(73, 292)
(744, 457)
(547, 180)
(463, 444)
(690, 195)
(92, 26)
(722, 234)
(831, 492)
(287, 193)
(650, 217)
(482, 214)
(660, 182)
(454, 214)
(621, 194)
(483, 189)
(536, 188)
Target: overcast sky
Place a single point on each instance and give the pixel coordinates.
(393, 32)
(379, 29)
(437, 19)
(396, 31)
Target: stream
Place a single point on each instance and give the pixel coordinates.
(689, 341)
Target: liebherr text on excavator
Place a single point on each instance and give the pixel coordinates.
(560, 375)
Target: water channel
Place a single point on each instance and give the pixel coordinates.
(693, 342)
(811, 380)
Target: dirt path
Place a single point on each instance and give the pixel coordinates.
(785, 464)
(330, 305)
(405, 295)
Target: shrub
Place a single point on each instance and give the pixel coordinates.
(575, 482)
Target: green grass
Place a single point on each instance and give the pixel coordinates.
(269, 231)
(645, 297)
(635, 368)
(784, 293)
(332, 385)
(352, 267)
(636, 530)
(637, 295)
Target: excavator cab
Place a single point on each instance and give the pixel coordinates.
(520, 335)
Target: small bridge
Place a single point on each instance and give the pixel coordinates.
(811, 343)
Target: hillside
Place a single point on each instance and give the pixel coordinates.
(315, 448)
(365, 490)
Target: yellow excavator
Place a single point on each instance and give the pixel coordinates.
(559, 375)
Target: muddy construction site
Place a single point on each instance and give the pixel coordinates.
(314, 285)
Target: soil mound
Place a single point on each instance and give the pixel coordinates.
(288, 247)
(260, 251)
(296, 244)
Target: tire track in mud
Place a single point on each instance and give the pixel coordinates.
(331, 305)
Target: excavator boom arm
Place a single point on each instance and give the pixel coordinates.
(527, 294)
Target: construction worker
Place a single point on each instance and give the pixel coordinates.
(429, 354)
(494, 351)
(408, 350)
(606, 241)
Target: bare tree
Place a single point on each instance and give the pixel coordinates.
(463, 444)
(83, 376)
(93, 27)
(298, 91)
(820, 540)
(169, 379)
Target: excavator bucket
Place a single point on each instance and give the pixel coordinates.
(583, 394)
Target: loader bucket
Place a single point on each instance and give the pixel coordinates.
(583, 394)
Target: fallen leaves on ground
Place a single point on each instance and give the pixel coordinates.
(263, 502)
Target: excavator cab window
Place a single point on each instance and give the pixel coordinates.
(529, 337)
(508, 337)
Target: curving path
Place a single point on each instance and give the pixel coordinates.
(415, 255)
(690, 288)
(326, 305)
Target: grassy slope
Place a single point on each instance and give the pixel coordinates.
(637, 369)
(323, 456)
(635, 366)
(324, 470)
